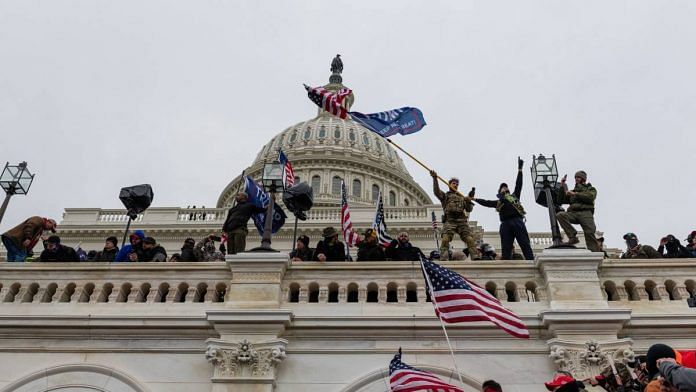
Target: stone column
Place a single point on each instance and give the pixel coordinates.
(583, 327)
(256, 279)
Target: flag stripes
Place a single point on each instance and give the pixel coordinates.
(349, 235)
(380, 225)
(458, 300)
(405, 378)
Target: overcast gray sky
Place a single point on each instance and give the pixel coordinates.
(97, 95)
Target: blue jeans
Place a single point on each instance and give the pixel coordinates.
(13, 252)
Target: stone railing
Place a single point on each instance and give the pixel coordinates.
(113, 283)
(628, 282)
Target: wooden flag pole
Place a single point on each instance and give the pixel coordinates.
(425, 167)
(432, 300)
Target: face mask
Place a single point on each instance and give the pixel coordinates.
(632, 243)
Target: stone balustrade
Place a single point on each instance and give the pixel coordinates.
(629, 282)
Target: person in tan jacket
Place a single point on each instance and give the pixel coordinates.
(20, 240)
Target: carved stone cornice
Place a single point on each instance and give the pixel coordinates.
(243, 361)
(589, 358)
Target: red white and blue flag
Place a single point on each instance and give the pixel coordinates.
(349, 235)
(458, 300)
(405, 378)
(328, 100)
(289, 178)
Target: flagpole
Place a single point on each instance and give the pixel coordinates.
(432, 299)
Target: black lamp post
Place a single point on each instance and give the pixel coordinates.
(14, 180)
(545, 178)
(272, 180)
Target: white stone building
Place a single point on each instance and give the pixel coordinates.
(259, 322)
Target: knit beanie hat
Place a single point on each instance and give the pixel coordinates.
(113, 240)
(581, 174)
(304, 239)
(655, 352)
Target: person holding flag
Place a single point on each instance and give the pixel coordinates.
(235, 225)
(456, 219)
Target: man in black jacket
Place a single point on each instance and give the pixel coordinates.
(110, 250)
(511, 213)
(369, 249)
(236, 223)
(401, 249)
(330, 248)
(55, 252)
(152, 251)
(189, 252)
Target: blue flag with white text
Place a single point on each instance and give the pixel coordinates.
(259, 198)
(405, 121)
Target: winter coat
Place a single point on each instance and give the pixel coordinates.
(405, 252)
(155, 254)
(189, 253)
(31, 229)
(643, 252)
(583, 200)
(370, 252)
(128, 249)
(306, 254)
(674, 251)
(107, 255)
(683, 378)
(239, 215)
(61, 254)
(508, 205)
(335, 252)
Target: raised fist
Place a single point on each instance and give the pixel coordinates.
(433, 174)
(520, 162)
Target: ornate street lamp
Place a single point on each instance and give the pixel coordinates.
(14, 180)
(545, 178)
(272, 180)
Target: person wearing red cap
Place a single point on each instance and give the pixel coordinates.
(564, 382)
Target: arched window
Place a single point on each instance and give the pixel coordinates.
(351, 136)
(375, 192)
(366, 140)
(316, 184)
(337, 132)
(307, 133)
(322, 132)
(392, 199)
(336, 185)
(357, 188)
(293, 136)
(379, 145)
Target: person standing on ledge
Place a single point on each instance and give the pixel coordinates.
(236, 223)
(581, 210)
(456, 220)
(511, 213)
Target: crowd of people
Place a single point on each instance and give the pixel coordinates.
(662, 369)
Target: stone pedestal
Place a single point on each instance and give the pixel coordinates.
(249, 349)
(585, 329)
(256, 279)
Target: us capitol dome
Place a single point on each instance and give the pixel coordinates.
(326, 150)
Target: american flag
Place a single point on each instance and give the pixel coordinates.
(380, 225)
(350, 236)
(434, 220)
(287, 169)
(406, 378)
(328, 100)
(458, 300)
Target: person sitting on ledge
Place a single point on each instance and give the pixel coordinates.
(634, 250)
(152, 251)
(302, 250)
(369, 249)
(55, 252)
(330, 248)
(110, 250)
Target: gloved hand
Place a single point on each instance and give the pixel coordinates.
(520, 162)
